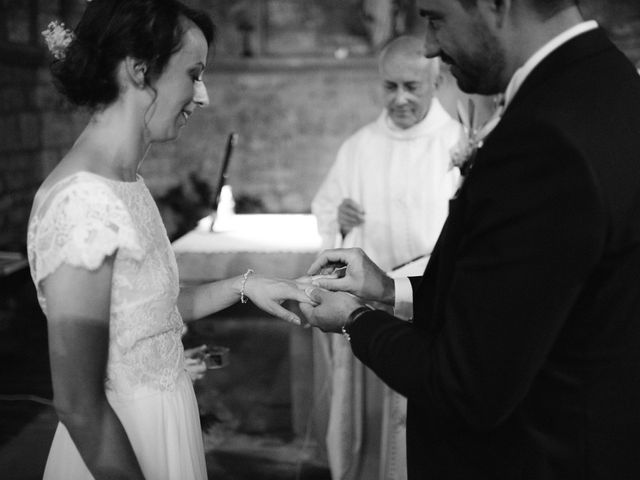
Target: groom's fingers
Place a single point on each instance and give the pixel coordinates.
(299, 295)
(314, 294)
(337, 255)
(307, 310)
(303, 281)
(333, 284)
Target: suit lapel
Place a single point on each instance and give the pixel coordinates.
(434, 288)
(579, 47)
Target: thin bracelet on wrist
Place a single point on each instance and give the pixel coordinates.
(245, 276)
(353, 316)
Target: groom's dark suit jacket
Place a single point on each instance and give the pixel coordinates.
(523, 359)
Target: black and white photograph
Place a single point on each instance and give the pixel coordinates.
(320, 239)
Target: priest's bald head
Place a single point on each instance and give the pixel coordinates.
(408, 80)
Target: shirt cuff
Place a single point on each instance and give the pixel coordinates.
(403, 307)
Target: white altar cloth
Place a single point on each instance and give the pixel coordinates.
(280, 245)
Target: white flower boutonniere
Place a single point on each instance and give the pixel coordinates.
(465, 152)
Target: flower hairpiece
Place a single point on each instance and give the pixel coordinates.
(58, 38)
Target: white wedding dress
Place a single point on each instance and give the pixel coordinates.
(78, 221)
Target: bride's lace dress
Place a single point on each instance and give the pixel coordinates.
(79, 221)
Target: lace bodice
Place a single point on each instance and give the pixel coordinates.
(84, 218)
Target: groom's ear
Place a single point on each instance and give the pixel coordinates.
(495, 12)
(136, 71)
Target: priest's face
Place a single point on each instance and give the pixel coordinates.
(408, 86)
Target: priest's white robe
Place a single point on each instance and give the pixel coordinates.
(403, 180)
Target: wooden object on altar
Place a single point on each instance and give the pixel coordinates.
(232, 140)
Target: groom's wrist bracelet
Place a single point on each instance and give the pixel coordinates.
(353, 316)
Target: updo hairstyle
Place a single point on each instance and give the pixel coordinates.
(110, 30)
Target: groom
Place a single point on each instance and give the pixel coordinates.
(523, 358)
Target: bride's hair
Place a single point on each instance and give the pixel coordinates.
(110, 30)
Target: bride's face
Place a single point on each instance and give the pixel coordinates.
(180, 88)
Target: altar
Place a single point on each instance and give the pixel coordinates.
(279, 245)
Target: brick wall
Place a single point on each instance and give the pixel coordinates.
(290, 116)
(34, 131)
(19, 151)
(290, 124)
(36, 127)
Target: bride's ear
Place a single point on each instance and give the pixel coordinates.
(136, 71)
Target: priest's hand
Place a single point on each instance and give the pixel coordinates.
(350, 215)
(361, 278)
(330, 311)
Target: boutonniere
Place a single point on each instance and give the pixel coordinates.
(473, 135)
(465, 151)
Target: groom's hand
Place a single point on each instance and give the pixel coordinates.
(329, 310)
(362, 277)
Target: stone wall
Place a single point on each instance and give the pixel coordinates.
(19, 150)
(290, 123)
(291, 115)
(36, 128)
(35, 125)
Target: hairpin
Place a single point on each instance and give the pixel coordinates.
(58, 38)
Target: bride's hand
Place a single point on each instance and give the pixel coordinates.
(194, 362)
(269, 293)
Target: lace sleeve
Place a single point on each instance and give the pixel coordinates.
(83, 223)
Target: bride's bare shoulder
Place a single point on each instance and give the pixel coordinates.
(77, 160)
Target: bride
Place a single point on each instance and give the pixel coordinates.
(99, 255)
